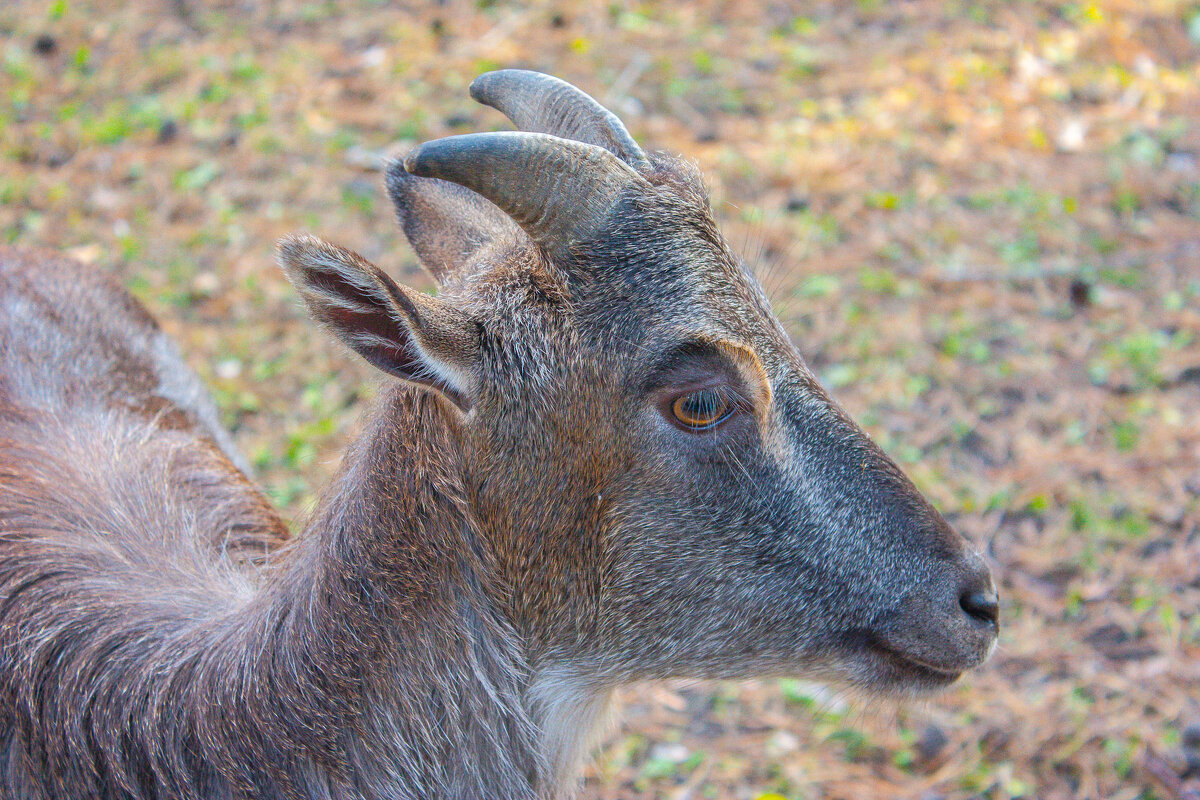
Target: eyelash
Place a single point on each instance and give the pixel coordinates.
(704, 409)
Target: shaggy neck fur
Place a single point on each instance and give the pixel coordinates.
(369, 663)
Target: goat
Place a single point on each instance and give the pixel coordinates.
(598, 459)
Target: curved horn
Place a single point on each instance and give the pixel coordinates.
(560, 191)
(544, 104)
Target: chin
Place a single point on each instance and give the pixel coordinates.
(888, 672)
(878, 673)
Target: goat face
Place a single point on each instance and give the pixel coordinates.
(663, 487)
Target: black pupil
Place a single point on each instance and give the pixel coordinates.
(702, 408)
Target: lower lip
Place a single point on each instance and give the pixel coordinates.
(919, 669)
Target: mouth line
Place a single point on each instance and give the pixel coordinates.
(916, 666)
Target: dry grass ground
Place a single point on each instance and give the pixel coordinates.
(978, 219)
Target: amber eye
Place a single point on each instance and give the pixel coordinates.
(702, 409)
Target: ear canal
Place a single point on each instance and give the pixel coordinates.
(544, 104)
(403, 332)
(559, 191)
(446, 224)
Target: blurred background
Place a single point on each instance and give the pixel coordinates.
(978, 219)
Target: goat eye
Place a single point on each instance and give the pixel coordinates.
(702, 409)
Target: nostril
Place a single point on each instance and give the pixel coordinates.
(983, 606)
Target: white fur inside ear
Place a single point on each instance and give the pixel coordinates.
(438, 370)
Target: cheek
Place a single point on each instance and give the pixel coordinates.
(710, 482)
(699, 504)
(707, 496)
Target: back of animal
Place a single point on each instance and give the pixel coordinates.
(117, 486)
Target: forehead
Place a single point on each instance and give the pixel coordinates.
(661, 276)
(666, 273)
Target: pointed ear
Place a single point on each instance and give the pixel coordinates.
(447, 224)
(401, 331)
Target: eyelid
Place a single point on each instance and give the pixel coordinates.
(695, 362)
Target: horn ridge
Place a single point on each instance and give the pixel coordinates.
(541, 103)
(560, 191)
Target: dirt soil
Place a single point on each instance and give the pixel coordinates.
(978, 219)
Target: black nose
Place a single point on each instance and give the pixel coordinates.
(982, 605)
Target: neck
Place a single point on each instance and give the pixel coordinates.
(399, 561)
(372, 662)
(384, 606)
